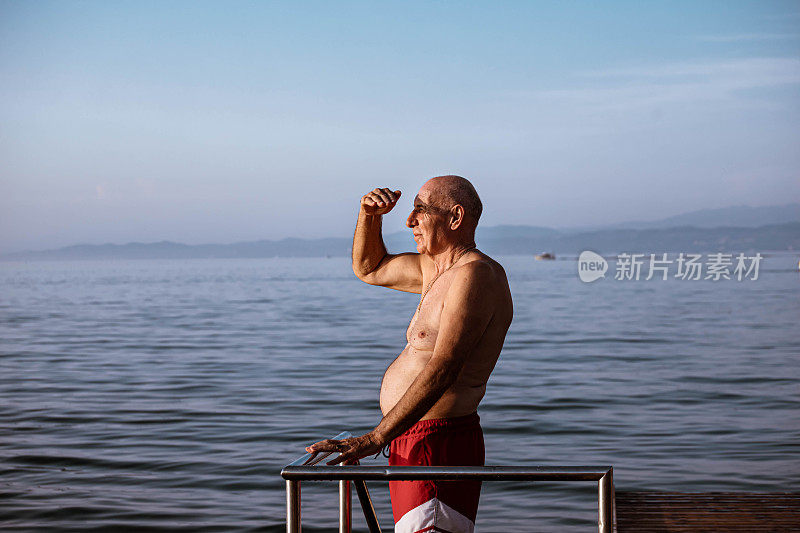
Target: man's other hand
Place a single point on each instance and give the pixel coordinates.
(351, 449)
(379, 201)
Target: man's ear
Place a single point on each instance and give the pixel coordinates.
(456, 216)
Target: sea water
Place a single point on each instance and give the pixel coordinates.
(167, 395)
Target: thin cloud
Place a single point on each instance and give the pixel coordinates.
(781, 16)
(755, 70)
(720, 82)
(745, 37)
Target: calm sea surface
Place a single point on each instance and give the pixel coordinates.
(167, 395)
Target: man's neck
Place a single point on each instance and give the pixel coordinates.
(448, 257)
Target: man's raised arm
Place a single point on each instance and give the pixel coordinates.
(371, 262)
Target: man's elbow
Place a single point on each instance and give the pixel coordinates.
(364, 275)
(366, 272)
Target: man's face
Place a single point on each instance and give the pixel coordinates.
(428, 223)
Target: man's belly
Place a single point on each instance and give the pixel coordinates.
(458, 400)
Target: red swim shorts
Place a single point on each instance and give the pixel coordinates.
(437, 506)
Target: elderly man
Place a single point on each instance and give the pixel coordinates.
(431, 391)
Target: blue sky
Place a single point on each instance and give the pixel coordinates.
(229, 121)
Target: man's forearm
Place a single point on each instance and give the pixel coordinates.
(368, 247)
(421, 396)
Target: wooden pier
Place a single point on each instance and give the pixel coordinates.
(707, 511)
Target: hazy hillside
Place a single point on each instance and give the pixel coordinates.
(734, 216)
(493, 240)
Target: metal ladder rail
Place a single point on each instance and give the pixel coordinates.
(298, 471)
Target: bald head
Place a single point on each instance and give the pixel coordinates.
(449, 191)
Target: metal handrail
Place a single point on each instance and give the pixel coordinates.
(483, 473)
(294, 473)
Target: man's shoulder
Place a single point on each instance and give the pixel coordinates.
(483, 283)
(484, 271)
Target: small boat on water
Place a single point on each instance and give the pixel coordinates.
(547, 256)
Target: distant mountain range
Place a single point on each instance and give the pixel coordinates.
(734, 216)
(733, 229)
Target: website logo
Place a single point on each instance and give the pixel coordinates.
(591, 266)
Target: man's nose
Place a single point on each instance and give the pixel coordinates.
(410, 222)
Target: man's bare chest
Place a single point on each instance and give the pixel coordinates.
(425, 324)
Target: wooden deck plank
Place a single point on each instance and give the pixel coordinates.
(707, 511)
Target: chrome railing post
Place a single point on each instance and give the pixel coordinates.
(293, 506)
(605, 501)
(345, 507)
